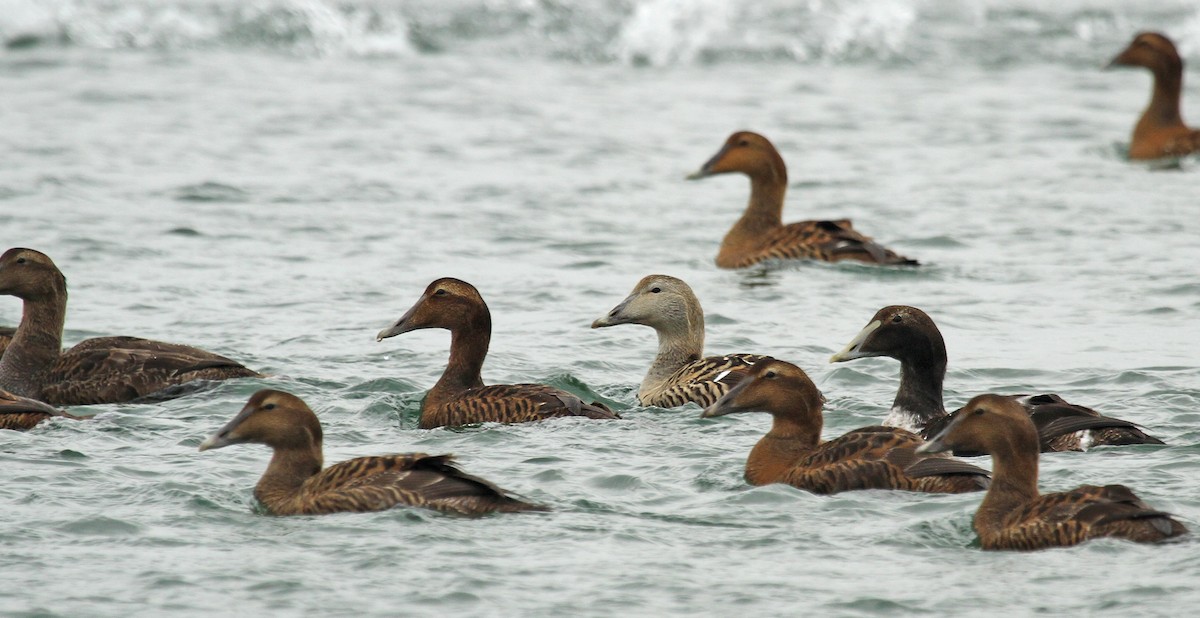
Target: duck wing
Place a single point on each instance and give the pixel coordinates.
(830, 241)
(1071, 517)
(413, 479)
(1059, 421)
(512, 403)
(95, 372)
(703, 381)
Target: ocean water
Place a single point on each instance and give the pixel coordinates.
(276, 180)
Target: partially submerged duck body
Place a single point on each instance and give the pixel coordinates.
(295, 483)
(1014, 515)
(1160, 132)
(680, 373)
(909, 335)
(760, 235)
(95, 371)
(460, 397)
(867, 458)
(22, 414)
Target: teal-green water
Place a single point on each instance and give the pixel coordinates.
(277, 181)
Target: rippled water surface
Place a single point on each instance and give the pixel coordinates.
(278, 180)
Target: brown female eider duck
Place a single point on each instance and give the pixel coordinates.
(22, 414)
(1160, 132)
(100, 370)
(1013, 515)
(909, 335)
(459, 397)
(866, 458)
(296, 484)
(761, 235)
(679, 374)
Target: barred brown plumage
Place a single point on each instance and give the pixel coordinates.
(99, 370)
(760, 234)
(1013, 515)
(460, 397)
(678, 375)
(910, 336)
(295, 484)
(865, 458)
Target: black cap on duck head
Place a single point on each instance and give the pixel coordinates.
(30, 275)
(987, 424)
(274, 418)
(1151, 50)
(658, 301)
(446, 303)
(748, 153)
(898, 331)
(776, 387)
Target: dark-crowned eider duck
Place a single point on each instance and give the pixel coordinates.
(296, 482)
(459, 397)
(761, 235)
(1160, 132)
(909, 335)
(22, 414)
(679, 374)
(101, 370)
(868, 458)
(1013, 515)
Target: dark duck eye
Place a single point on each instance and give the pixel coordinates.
(655, 290)
(769, 375)
(20, 260)
(897, 319)
(440, 292)
(269, 406)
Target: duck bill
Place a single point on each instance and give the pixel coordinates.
(403, 325)
(854, 349)
(224, 436)
(707, 169)
(614, 317)
(941, 442)
(1120, 60)
(727, 404)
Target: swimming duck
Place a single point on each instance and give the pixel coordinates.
(1160, 132)
(761, 235)
(866, 458)
(909, 335)
(296, 484)
(1013, 515)
(22, 414)
(100, 370)
(679, 373)
(460, 397)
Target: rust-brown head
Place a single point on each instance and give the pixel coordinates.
(277, 419)
(661, 302)
(1152, 51)
(776, 387)
(30, 275)
(748, 153)
(446, 303)
(987, 424)
(898, 331)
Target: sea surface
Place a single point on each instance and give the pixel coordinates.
(277, 180)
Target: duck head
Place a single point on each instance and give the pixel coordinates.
(274, 418)
(446, 303)
(30, 275)
(661, 302)
(776, 387)
(748, 153)
(900, 332)
(987, 424)
(1152, 51)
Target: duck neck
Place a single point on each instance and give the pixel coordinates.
(290, 467)
(789, 440)
(35, 346)
(920, 393)
(468, 348)
(1163, 111)
(1014, 481)
(765, 210)
(678, 345)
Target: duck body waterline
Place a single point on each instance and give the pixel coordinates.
(22, 414)
(910, 336)
(680, 374)
(760, 235)
(1014, 515)
(1160, 131)
(460, 397)
(95, 371)
(867, 458)
(295, 482)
